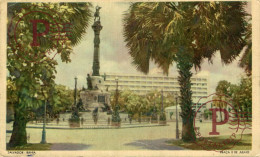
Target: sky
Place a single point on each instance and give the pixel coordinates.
(114, 57)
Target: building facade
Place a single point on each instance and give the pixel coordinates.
(143, 84)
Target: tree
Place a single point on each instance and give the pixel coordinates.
(185, 33)
(222, 91)
(246, 59)
(31, 68)
(65, 97)
(240, 94)
(11, 99)
(155, 101)
(207, 113)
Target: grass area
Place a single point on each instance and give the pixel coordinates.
(209, 143)
(31, 146)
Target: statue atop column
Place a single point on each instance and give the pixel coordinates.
(97, 14)
(97, 28)
(96, 97)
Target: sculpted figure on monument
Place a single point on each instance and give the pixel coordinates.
(97, 13)
(89, 82)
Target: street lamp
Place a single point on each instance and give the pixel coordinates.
(43, 141)
(162, 119)
(177, 123)
(115, 115)
(154, 116)
(162, 102)
(116, 92)
(75, 93)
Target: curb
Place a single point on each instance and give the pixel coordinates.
(94, 127)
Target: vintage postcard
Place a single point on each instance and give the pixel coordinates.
(130, 78)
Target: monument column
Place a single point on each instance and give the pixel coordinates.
(97, 28)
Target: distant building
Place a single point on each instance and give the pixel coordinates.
(143, 84)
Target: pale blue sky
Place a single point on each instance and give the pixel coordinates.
(114, 56)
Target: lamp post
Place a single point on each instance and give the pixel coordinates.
(154, 108)
(177, 123)
(162, 102)
(75, 93)
(115, 115)
(162, 119)
(43, 141)
(154, 103)
(116, 91)
(154, 118)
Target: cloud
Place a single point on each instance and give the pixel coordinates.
(114, 57)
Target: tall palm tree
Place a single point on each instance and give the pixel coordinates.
(185, 33)
(246, 59)
(220, 102)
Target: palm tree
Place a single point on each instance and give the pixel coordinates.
(220, 102)
(185, 33)
(246, 59)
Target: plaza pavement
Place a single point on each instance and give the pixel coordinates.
(137, 138)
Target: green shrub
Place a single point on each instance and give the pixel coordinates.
(162, 117)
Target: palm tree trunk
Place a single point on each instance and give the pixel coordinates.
(184, 66)
(19, 136)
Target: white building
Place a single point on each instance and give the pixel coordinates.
(143, 84)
